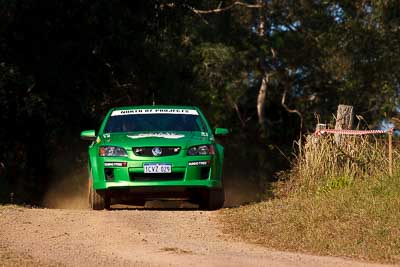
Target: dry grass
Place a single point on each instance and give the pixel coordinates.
(324, 165)
(335, 201)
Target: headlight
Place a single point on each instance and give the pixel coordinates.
(201, 150)
(112, 151)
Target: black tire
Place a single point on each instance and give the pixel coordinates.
(138, 202)
(212, 199)
(98, 199)
(107, 200)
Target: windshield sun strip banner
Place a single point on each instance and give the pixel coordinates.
(154, 111)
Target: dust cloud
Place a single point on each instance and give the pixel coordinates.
(240, 190)
(68, 191)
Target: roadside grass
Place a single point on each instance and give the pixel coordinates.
(336, 201)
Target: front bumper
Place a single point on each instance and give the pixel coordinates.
(188, 175)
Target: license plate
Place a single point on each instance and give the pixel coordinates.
(157, 168)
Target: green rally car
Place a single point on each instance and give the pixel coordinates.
(144, 153)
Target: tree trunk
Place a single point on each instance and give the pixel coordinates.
(344, 121)
(261, 101)
(261, 19)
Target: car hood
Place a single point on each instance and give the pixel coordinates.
(146, 139)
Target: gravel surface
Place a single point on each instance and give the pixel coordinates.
(132, 237)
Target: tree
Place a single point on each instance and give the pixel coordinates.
(264, 68)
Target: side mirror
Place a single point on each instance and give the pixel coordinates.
(89, 135)
(221, 131)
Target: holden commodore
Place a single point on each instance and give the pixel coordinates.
(143, 153)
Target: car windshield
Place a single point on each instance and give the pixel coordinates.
(154, 122)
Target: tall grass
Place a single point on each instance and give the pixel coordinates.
(337, 200)
(324, 164)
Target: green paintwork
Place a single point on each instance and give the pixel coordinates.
(88, 135)
(221, 131)
(135, 164)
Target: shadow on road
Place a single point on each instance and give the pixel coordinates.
(158, 205)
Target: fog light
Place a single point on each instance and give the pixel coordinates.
(205, 172)
(109, 174)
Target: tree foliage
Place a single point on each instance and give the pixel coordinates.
(63, 64)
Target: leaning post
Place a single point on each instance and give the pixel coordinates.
(344, 120)
(390, 136)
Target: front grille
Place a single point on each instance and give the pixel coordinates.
(148, 151)
(143, 177)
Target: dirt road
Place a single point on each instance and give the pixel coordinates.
(54, 237)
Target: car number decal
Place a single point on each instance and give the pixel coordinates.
(157, 168)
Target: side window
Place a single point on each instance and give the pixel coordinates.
(200, 123)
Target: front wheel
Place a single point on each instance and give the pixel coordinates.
(98, 199)
(212, 199)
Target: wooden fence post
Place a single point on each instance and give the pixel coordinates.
(390, 134)
(344, 121)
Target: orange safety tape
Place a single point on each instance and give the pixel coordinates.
(350, 132)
